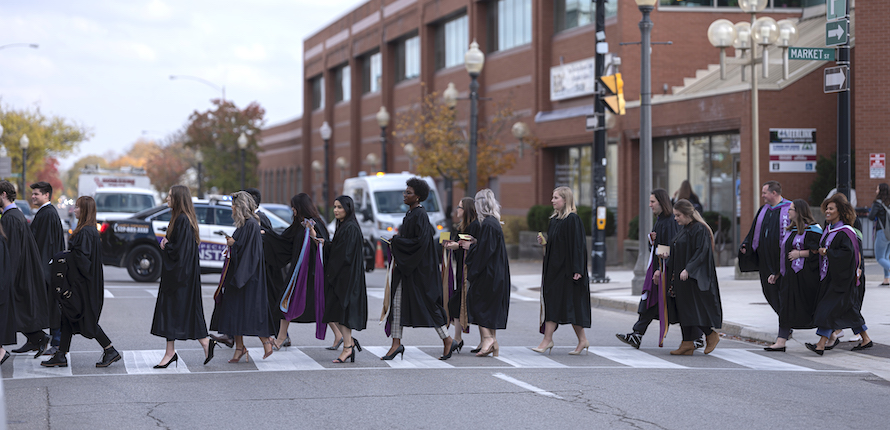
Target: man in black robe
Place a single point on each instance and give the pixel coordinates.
(31, 300)
(47, 230)
(760, 251)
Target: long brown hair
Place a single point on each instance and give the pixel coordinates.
(469, 208)
(181, 203)
(685, 207)
(804, 217)
(87, 207)
(664, 200)
(243, 208)
(845, 211)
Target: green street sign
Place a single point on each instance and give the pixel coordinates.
(814, 54)
(837, 32)
(835, 9)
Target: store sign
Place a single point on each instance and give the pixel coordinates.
(877, 165)
(792, 150)
(572, 80)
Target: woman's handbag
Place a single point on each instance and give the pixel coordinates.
(67, 296)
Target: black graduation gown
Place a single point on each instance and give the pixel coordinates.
(275, 282)
(665, 228)
(179, 312)
(454, 302)
(46, 227)
(488, 272)
(417, 271)
(766, 258)
(566, 301)
(346, 295)
(840, 299)
(284, 250)
(7, 310)
(86, 253)
(799, 291)
(244, 308)
(31, 296)
(698, 297)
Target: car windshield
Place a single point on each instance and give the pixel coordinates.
(24, 207)
(390, 202)
(123, 202)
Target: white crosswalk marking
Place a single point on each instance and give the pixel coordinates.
(25, 366)
(414, 359)
(520, 356)
(142, 363)
(284, 360)
(755, 361)
(154, 293)
(376, 293)
(108, 294)
(634, 358)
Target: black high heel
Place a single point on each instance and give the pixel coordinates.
(211, 345)
(356, 344)
(5, 357)
(454, 347)
(399, 350)
(350, 357)
(476, 349)
(164, 366)
(458, 346)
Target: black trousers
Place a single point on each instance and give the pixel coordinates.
(691, 333)
(35, 337)
(68, 333)
(646, 317)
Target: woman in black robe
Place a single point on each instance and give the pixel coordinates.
(179, 313)
(416, 290)
(457, 309)
(244, 308)
(488, 271)
(346, 295)
(565, 287)
(286, 250)
(842, 286)
(799, 277)
(7, 314)
(86, 276)
(693, 276)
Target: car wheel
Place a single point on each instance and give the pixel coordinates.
(144, 263)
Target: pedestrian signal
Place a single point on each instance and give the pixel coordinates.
(614, 97)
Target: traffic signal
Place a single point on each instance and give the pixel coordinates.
(614, 97)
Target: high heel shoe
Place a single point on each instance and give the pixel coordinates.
(476, 349)
(494, 349)
(350, 357)
(585, 347)
(451, 350)
(5, 357)
(335, 346)
(271, 344)
(241, 353)
(211, 345)
(164, 366)
(457, 347)
(399, 350)
(541, 350)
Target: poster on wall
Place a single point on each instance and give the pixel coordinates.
(877, 165)
(792, 150)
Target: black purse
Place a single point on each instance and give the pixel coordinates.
(67, 296)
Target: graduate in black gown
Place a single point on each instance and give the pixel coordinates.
(346, 295)
(842, 286)
(7, 311)
(457, 299)
(87, 277)
(275, 282)
(179, 313)
(565, 284)
(693, 276)
(31, 297)
(287, 249)
(488, 271)
(798, 279)
(416, 290)
(46, 227)
(243, 309)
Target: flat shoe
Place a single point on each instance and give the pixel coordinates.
(812, 347)
(769, 348)
(829, 348)
(860, 347)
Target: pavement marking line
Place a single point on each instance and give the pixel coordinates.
(107, 294)
(525, 385)
(634, 358)
(376, 293)
(154, 293)
(142, 363)
(523, 298)
(284, 360)
(414, 358)
(25, 366)
(520, 356)
(756, 361)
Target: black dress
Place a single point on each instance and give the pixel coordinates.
(698, 297)
(244, 307)
(799, 286)
(454, 301)
(87, 256)
(840, 298)
(417, 271)
(275, 282)
(488, 271)
(179, 313)
(284, 250)
(7, 309)
(346, 296)
(46, 227)
(31, 296)
(566, 301)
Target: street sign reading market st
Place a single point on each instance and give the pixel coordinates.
(815, 54)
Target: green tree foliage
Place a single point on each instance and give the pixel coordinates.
(538, 218)
(215, 132)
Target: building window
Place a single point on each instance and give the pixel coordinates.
(372, 73)
(576, 13)
(317, 84)
(772, 4)
(452, 42)
(573, 171)
(408, 59)
(509, 24)
(342, 84)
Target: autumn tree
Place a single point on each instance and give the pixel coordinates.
(138, 155)
(169, 163)
(215, 132)
(49, 173)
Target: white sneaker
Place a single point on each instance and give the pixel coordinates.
(856, 338)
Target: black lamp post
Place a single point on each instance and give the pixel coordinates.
(199, 158)
(474, 59)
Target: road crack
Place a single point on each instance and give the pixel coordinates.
(158, 421)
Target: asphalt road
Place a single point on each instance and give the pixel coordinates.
(615, 386)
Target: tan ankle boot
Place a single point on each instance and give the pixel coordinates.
(711, 341)
(687, 347)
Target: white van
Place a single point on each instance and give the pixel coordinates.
(116, 203)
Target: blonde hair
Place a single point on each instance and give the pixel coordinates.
(569, 208)
(243, 208)
(685, 207)
(487, 205)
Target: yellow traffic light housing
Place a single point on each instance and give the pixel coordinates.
(614, 97)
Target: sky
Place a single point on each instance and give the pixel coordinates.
(106, 64)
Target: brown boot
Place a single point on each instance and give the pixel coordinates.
(711, 341)
(687, 347)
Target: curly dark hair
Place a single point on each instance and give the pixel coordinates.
(421, 188)
(845, 210)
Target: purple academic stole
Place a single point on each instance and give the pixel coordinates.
(796, 244)
(784, 221)
(827, 236)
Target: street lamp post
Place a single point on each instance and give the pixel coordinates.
(409, 151)
(24, 142)
(199, 158)
(325, 132)
(475, 60)
(520, 132)
(383, 121)
(242, 143)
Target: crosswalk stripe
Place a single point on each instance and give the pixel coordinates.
(376, 293)
(154, 293)
(142, 363)
(290, 359)
(414, 359)
(25, 366)
(520, 356)
(523, 298)
(108, 294)
(755, 361)
(634, 358)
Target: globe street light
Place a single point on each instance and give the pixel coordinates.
(474, 60)
(410, 151)
(242, 143)
(24, 142)
(325, 132)
(383, 121)
(450, 95)
(199, 158)
(520, 132)
(371, 160)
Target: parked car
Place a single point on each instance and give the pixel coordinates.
(26, 209)
(283, 211)
(114, 203)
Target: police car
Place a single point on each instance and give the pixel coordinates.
(133, 242)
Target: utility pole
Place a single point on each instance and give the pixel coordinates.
(598, 155)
